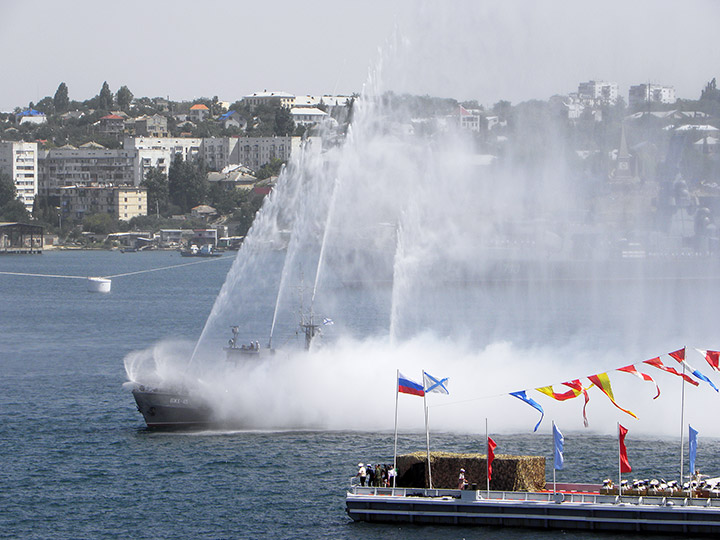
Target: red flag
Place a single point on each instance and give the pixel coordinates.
(490, 456)
(655, 362)
(624, 463)
(577, 385)
(678, 355)
(644, 376)
(712, 357)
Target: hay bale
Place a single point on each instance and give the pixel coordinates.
(510, 473)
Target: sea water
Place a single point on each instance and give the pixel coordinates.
(77, 461)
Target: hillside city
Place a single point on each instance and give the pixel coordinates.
(121, 171)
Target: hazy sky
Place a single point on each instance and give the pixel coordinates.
(484, 50)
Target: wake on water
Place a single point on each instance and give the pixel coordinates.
(393, 234)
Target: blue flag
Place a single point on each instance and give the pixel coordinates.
(692, 443)
(530, 401)
(559, 446)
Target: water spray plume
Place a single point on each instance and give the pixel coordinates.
(428, 254)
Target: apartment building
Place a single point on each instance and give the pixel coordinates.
(598, 93)
(151, 126)
(89, 164)
(254, 152)
(651, 93)
(19, 160)
(122, 202)
(159, 152)
(270, 98)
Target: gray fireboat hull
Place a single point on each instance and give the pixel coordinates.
(172, 410)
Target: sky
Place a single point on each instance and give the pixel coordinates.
(465, 49)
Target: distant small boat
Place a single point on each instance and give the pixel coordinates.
(205, 251)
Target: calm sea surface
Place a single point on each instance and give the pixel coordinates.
(77, 462)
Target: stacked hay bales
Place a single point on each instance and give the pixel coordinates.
(510, 473)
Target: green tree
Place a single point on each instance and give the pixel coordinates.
(14, 211)
(61, 99)
(156, 182)
(46, 105)
(124, 98)
(272, 168)
(7, 189)
(105, 99)
(284, 124)
(11, 208)
(100, 223)
(187, 183)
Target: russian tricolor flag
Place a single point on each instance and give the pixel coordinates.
(408, 386)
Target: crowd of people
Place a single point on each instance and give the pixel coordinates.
(376, 476)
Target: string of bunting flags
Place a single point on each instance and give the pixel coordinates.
(602, 381)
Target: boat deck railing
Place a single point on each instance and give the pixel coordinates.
(534, 496)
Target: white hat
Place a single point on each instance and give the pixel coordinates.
(462, 470)
(360, 464)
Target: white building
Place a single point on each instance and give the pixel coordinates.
(598, 93)
(651, 93)
(470, 119)
(159, 152)
(308, 116)
(270, 98)
(90, 164)
(30, 116)
(19, 160)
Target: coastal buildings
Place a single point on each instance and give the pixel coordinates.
(89, 164)
(122, 202)
(597, 93)
(650, 93)
(19, 160)
(282, 99)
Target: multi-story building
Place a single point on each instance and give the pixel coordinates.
(217, 152)
(111, 125)
(90, 164)
(159, 152)
(270, 98)
(151, 126)
(470, 119)
(19, 160)
(122, 202)
(650, 93)
(254, 152)
(308, 116)
(598, 93)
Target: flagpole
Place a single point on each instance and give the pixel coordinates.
(427, 433)
(682, 422)
(487, 461)
(619, 462)
(554, 450)
(397, 393)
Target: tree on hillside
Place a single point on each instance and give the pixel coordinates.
(156, 182)
(61, 99)
(124, 98)
(284, 124)
(105, 99)
(187, 183)
(711, 91)
(46, 105)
